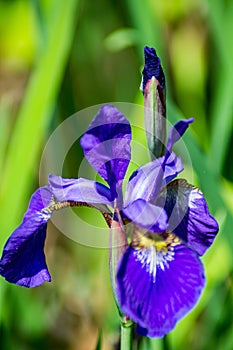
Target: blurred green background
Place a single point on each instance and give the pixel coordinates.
(58, 57)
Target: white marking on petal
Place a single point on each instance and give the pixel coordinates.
(164, 257)
(194, 195)
(152, 257)
(54, 205)
(147, 257)
(44, 214)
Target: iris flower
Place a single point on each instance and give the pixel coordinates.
(165, 222)
(160, 276)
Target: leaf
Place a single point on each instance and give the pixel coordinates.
(35, 115)
(99, 341)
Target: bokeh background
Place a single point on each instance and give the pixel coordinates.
(58, 57)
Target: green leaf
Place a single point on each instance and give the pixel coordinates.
(35, 115)
(121, 39)
(221, 26)
(99, 341)
(5, 109)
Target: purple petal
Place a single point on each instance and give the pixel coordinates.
(189, 217)
(156, 288)
(23, 260)
(152, 67)
(147, 181)
(39, 200)
(176, 133)
(79, 190)
(147, 215)
(106, 145)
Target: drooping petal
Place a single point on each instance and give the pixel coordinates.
(188, 213)
(146, 215)
(81, 190)
(157, 288)
(146, 182)
(23, 260)
(152, 67)
(106, 145)
(39, 200)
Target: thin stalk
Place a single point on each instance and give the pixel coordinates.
(126, 335)
(166, 344)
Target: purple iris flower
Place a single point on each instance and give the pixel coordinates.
(159, 276)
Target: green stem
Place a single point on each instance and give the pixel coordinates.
(126, 334)
(166, 344)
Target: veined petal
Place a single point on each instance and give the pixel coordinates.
(39, 200)
(23, 260)
(146, 215)
(147, 180)
(158, 285)
(188, 213)
(106, 145)
(80, 190)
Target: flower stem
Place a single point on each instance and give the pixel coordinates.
(166, 343)
(126, 334)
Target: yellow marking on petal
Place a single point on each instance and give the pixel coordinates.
(108, 219)
(154, 250)
(161, 242)
(55, 205)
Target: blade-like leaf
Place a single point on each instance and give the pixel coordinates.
(35, 115)
(99, 341)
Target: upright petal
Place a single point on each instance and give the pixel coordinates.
(158, 286)
(23, 260)
(176, 133)
(146, 182)
(188, 214)
(106, 145)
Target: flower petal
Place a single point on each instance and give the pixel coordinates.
(23, 260)
(146, 181)
(152, 67)
(39, 200)
(176, 133)
(147, 215)
(157, 288)
(106, 145)
(188, 213)
(80, 190)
